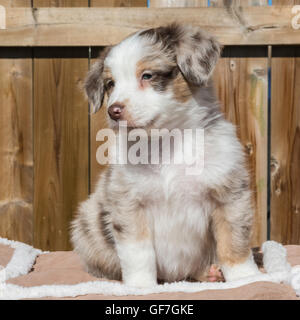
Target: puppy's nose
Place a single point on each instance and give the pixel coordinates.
(115, 111)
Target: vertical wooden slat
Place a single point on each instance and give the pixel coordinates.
(16, 169)
(242, 86)
(61, 139)
(285, 150)
(285, 143)
(98, 120)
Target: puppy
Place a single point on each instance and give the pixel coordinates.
(154, 222)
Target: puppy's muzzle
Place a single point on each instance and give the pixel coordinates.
(115, 111)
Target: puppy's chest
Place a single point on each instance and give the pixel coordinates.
(174, 191)
(174, 181)
(179, 215)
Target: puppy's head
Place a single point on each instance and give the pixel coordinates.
(150, 75)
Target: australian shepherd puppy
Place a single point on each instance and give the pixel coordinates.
(148, 222)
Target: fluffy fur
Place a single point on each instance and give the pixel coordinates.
(149, 222)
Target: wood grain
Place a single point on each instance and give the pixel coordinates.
(285, 144)
(16, 153)
(177, 4)
(285, 151)
(119, 3)
(15, 3)
(230, 3)
(61, 142)
(242, 86)
(78, 26)
(60, 3)
(285, 2)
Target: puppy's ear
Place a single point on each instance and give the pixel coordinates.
(94, 84)
(197, 54)
(196, 51)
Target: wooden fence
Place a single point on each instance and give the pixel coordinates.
(48, 139)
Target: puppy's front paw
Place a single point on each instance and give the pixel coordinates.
(140, 281)
(241, 270)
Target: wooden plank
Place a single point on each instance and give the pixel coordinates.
(98, 120)
(60, 3)
(178, 4)
(230, 3)
(285, 143)
(61, 142)
(61, 148)
(285, 151)
(15, 3)
(119, 3)
(16, 154)
(285, 2)
(242, 86)
(82, 26)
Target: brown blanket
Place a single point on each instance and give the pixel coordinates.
(66, 268)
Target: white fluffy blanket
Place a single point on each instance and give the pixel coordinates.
(276, 266)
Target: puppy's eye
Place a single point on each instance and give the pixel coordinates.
(109, 84)
(146, 76)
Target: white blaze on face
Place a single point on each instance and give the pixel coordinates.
(142, 104)
(122, 61)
